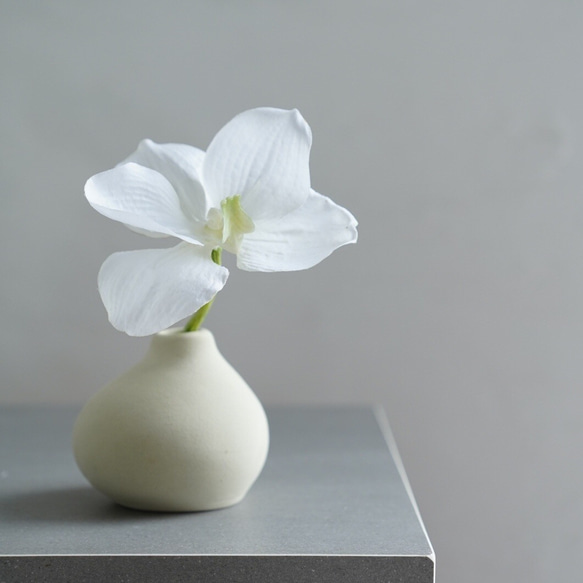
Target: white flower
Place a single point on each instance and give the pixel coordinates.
(248, 194)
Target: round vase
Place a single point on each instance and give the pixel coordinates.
(180, 431)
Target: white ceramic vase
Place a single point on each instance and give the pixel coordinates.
(180, 431)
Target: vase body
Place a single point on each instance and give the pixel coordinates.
(180, 431)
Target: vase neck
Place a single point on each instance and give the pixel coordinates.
(174, 343)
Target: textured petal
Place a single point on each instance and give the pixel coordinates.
(146, 233)
(299, 240)
(263, 156)
(148, 290)
(181, 165)
(142, 199)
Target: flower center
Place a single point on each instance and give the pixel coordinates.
(229, 224)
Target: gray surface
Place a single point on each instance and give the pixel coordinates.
(330, 488)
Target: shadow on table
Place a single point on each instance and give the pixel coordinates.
(78, 504)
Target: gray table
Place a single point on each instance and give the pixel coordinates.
(332, 505)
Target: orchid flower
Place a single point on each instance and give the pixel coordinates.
(249, 194)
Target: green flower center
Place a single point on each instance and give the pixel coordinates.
(230, 223)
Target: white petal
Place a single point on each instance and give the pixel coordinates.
(140, 198)
(148, 290)
(299, 240)
(146, 233)
(263, 156)
(181, 165)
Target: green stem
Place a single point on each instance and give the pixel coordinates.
(198, 317)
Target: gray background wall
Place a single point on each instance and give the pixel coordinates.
(452, 130)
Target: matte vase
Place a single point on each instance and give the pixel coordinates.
(180, 431)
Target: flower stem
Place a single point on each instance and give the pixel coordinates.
(194, 323)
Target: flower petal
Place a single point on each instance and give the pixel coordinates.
(299, 240)
(148, 290)
(142, 199)
(181, 165)
(263, 156)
